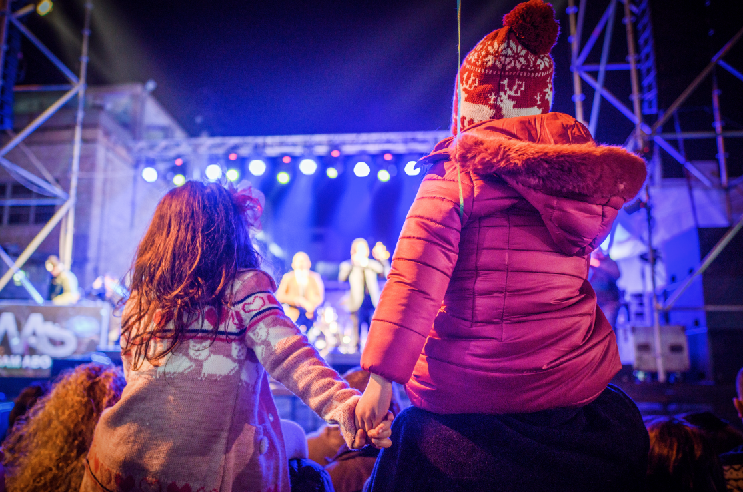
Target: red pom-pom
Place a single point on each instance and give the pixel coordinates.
(534, 25)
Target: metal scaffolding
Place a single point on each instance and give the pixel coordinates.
(45, 185)
(641, 68)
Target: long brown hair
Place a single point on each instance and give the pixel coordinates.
(46, 448)
(197, 242)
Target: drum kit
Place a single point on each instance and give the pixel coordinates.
(329, 334)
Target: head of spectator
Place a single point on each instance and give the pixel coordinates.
(58, 430)
(720, 434)
(681, 459)
(26, 400)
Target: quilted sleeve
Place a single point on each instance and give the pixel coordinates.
(289, 358)
(422, 265)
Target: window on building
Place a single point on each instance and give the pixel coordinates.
(23, 214)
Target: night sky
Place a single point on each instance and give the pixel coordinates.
(296, 67)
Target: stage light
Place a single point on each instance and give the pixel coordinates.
(179, 162)
(335, 153)
(332, 172)
(232, 174)
(286, 159)
(257, 167)
(179, 180)
(44, 7)
(283, 177)
(383, 175)
(308, 166)
(411, 170)
(361, 169)
(213, 172)
(232, 157)
(387, 156)
(149, 174)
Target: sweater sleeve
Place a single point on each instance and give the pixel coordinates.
(289, 358)
(426, 253)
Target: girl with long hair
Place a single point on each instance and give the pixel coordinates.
(200, 331)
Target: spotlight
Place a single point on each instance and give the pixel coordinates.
(332, 172)
(44, 7)
(179, 180)
(283, 177)
(232, 156)
(361, 169)
(213, 172)
(387, 156)
(335, 153)
(232, 174)
(411, 170)
(149, 174)
(308, 166)
(383, 175)
(257, 167)
(286, 159)
(179, 161)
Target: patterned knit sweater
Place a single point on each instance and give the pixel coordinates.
(204, 418)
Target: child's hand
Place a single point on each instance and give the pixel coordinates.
(379, 437)
(374, 403)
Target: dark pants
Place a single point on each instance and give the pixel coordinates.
(361, 317)
(600, 447)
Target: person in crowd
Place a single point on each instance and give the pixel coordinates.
(732, 461)
(63, 289)
(721, 436)
(26, 399)
(301, 291)
(200, 331)
(487, 316)
(46, 448)
(681, 459)
(603, 276)
(362, 274)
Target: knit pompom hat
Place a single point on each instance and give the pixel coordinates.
(509, 72)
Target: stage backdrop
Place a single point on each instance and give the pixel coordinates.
(32, 335)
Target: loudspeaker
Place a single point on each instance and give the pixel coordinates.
(674, 348)
(715, 338)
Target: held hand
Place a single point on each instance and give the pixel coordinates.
(379, 437)
(374, 403)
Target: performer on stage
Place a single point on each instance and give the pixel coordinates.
(63, 289)
(362, 274)
(301, 291)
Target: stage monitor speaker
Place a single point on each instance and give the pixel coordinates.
(674, 348)
(715, 338)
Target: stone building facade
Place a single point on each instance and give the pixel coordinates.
(114, 204)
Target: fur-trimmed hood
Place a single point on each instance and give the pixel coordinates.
(551, 153)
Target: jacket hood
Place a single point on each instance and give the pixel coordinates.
(551, 153)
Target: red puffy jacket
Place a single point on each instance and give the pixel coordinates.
(492, 312)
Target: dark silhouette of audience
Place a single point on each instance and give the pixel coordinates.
(681, 459)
